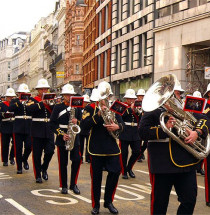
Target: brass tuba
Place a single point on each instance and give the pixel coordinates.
(161, 93)
(104, 90)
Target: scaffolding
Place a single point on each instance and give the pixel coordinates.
(197, 59)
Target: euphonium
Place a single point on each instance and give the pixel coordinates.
(108, 116)
(161, 93)
(72, 131)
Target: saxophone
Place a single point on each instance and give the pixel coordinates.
(72, 131)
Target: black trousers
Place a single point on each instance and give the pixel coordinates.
(143, 146)
(207, 178)
(38, 145)
(21, 156)
(185, 185)
(112, 165)
(135, 154)
(5, 142)
(75, 157)
(83, 139)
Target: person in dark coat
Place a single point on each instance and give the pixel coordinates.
(130, 136)
(42, 136)
(60, 120)
(104, 150)
(7, 121)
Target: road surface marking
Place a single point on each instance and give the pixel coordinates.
(19, 207)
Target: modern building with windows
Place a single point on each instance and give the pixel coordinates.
(125, 38)
(182, 41)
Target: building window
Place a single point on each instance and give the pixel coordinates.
(140, 52)
(99, 66)
(77, 40)
(77, 68)
(8, 77)
(166, 11)
(202, 2)
(128, 56)
(193, 3)
(9, 65)
(175, 8)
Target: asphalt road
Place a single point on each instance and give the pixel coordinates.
(19, 194)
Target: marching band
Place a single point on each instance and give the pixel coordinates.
(35, 125)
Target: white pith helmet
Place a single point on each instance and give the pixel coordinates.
(130, 94)
(23, 88)
(141, 92)
(104, 90)
(68, 89)
(10, 92)
(178, 86)
(94, 95)
(86, 98)
(208, 89)
(197, 94)
(42, 83)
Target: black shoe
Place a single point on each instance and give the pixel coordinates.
(25, 165)
(12, 162)
(19, 171)
(75, 189)
(95, 211)
(201, 172)
(39, 180)
(5, 164)
(143, 157)
(44, 175)
(111, 208)
(208, 204)
(125, 176)
(132, 175)
(139, 160)
(64, 191)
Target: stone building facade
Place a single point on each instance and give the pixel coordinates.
(182, 41)
(74, 37)
(8, 47)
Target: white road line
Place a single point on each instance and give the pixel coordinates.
(1, 196)
(19, 207)
(201, 187)
(142, 171)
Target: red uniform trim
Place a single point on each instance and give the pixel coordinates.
(1, 148)
(152, 193)
(208, 102)
(59, 165)
(114, 192)
(33, 157)
(206, 181)
(121, 162)
(15, 149)
(39, 99)
(75, 182)
(93, 105)
(6, 103)
(91, 174)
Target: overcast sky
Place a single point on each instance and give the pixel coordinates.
(22, 15)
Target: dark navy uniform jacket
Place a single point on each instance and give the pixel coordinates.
(84, 131)
(22, 123)
(130, 133)
(100, 142)
(39, 110)
(6, 126)
(60, 118)
(207, 109)
(166, 155)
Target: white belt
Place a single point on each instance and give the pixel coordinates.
(63, 126)
(23, 117)
(8, 119)
(41, 119)
(160, 140)
(131, 123)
